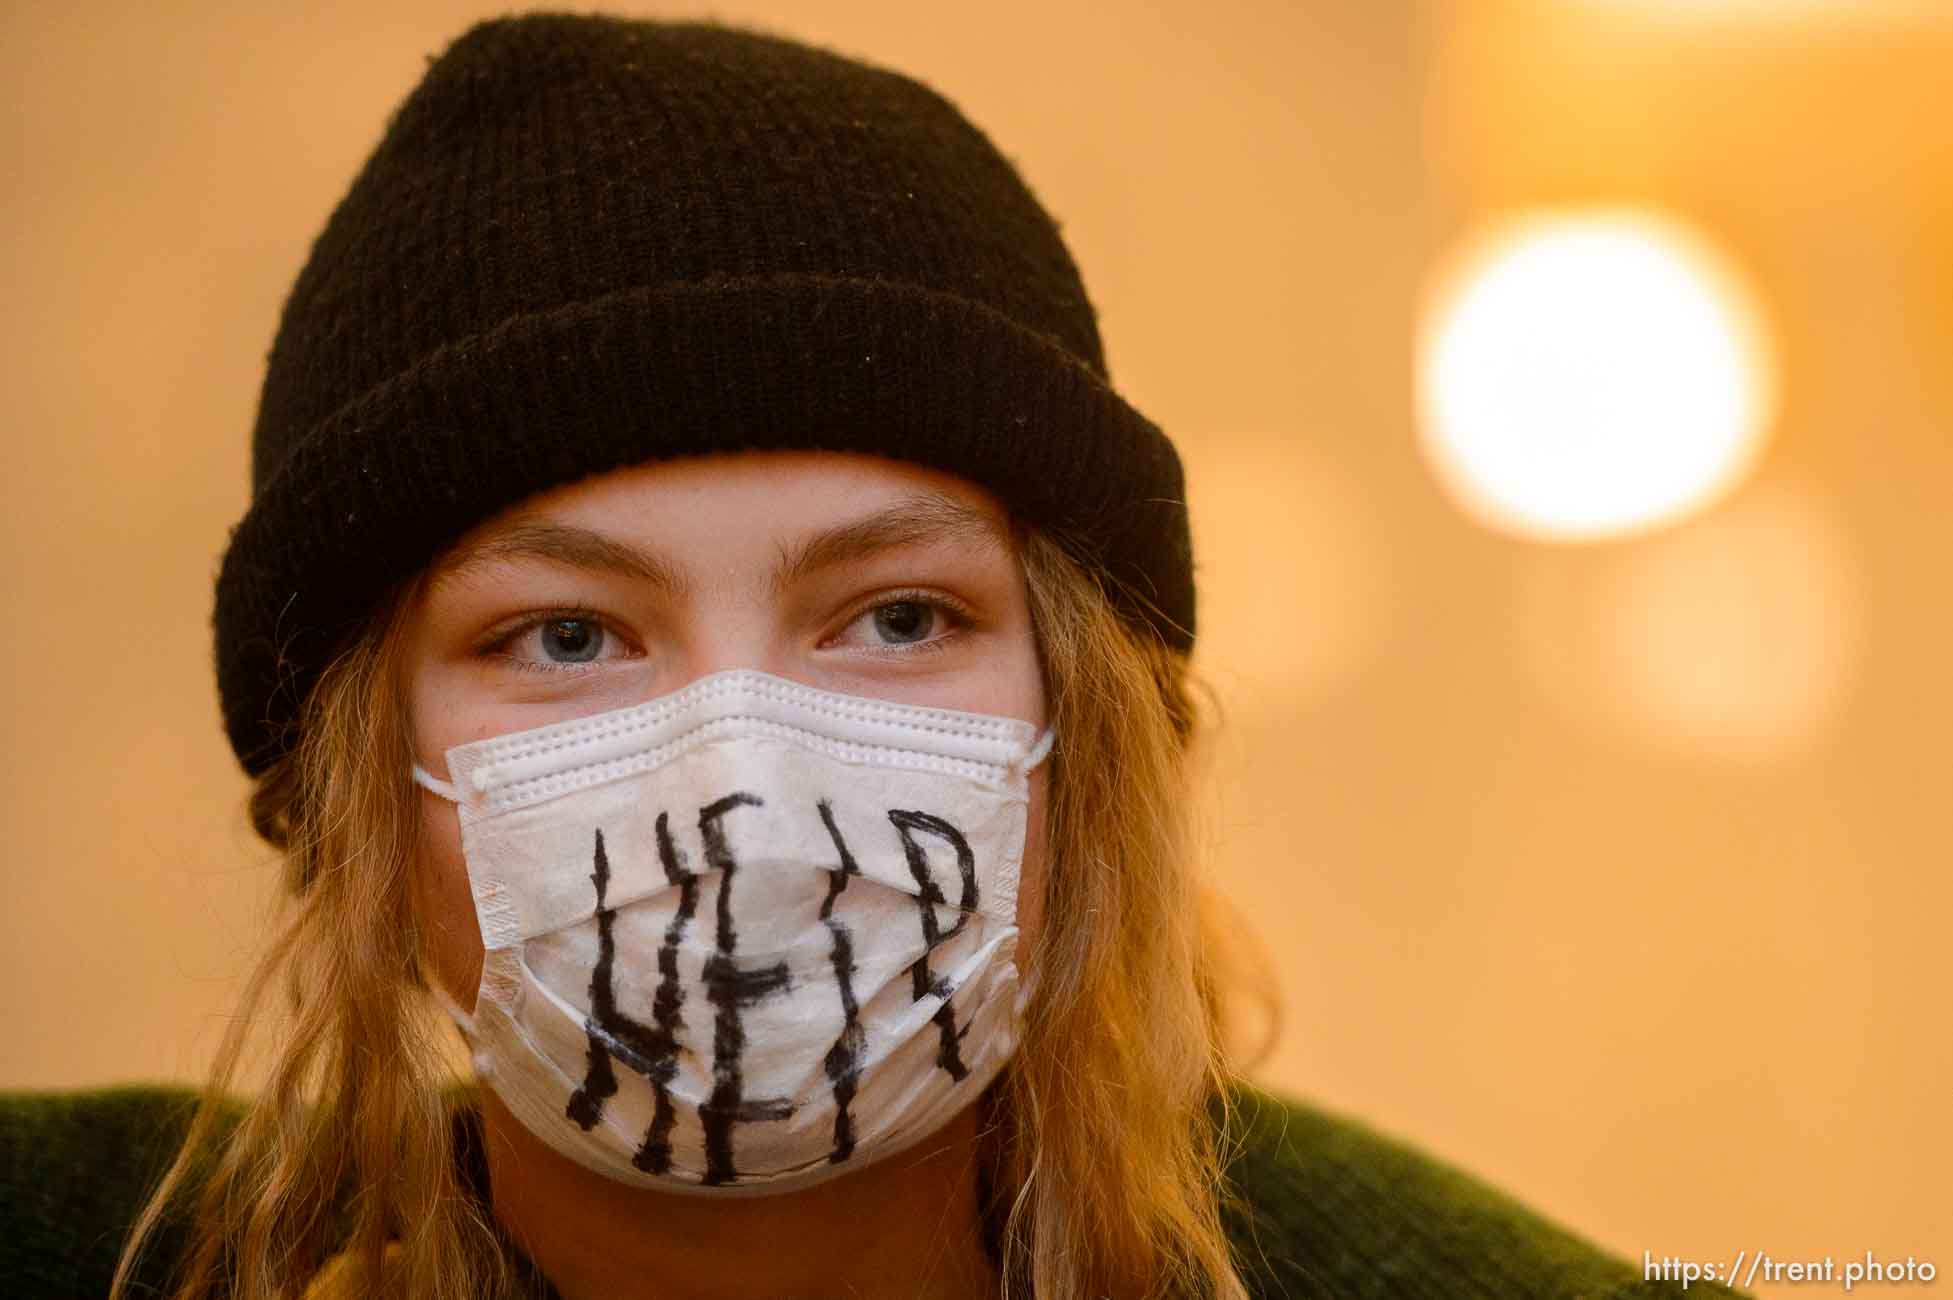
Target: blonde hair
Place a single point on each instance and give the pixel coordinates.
(1108, 1153)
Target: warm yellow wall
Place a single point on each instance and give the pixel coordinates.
(1683, 997)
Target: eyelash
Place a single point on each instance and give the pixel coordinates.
(494, 645)
(955, 611)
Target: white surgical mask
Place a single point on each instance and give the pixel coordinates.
(746, 936)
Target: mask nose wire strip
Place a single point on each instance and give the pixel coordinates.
(1032, 757)
(445, 789)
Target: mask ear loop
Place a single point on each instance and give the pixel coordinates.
(463, 1021)
(446, 789)
(1036, 753)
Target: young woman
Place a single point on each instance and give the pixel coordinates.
(707, 629)
(717, 430)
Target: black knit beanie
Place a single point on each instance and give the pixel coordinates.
(586, 243)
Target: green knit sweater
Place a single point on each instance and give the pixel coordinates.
(1333, 1209)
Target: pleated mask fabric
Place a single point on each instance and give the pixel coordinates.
(747, 936)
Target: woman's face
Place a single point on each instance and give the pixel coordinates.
(848, 573)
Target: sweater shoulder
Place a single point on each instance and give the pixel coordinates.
(76, 1167)
(1324, 1206)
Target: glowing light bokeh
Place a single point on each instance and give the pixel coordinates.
(1589, 375)
(1779, 10)
(1735, 636)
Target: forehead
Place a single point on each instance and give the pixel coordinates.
(717, 508)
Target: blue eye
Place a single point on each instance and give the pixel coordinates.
(564, 640)
(572, 640)
(908, 622)
(904, 622)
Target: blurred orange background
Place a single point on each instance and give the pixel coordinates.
(1615, 871)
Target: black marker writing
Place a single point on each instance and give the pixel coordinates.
(843, 1063)
(651, 1051)
(949, 1054)
(731, 989)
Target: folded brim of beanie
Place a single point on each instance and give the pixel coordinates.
(787, 361)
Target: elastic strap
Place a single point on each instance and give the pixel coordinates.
(1036, 754)
(426, 779)
(462, 1020)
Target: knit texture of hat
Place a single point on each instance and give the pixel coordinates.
(585, 243)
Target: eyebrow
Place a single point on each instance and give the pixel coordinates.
(928, 518)
(579, 548)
